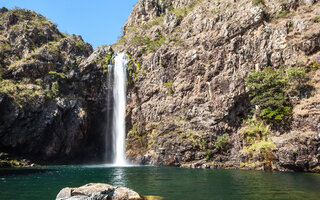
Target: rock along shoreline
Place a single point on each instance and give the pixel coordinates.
(98, 191)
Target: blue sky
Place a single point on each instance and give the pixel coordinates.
(97, 21)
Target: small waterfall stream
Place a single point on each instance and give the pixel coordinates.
(119, 109)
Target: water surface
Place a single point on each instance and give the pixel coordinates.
(171, 183)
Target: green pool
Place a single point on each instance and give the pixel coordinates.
(171, 183)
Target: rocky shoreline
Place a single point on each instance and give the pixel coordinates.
(9, 161)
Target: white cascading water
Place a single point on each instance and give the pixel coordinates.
(119, 109)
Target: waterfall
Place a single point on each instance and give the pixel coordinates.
(108, 157)
(119, 109)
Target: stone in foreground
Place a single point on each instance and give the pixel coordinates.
(98, 191)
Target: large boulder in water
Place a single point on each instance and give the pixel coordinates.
(98, 191)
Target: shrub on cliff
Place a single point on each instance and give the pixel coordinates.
(266, 90)
(222, 142)
(168, 85)
(254, 130)
(273, 92)
(263, 149)
(270, 91)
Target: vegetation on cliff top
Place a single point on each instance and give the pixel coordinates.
(135, 35)
(38, 68)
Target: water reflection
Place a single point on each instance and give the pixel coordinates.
(119, 177)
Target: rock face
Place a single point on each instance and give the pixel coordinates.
(98, 191)
(53, 90)
(191, 59)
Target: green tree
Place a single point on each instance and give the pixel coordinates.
(267, 91)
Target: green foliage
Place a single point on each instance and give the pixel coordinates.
(105, 61)
(314, 66)
(134, 71)
(154, 45)
(208, 154)
(197, 142)
(4, 46)
(257, 2)
(80, 45)
(187, 135)
(275, 113)
(57, 75)
(266, 90)
(270, 90)
(180, 13)
(151, 46)
(136, 141)
(296, 75)
(52, 49)
(316, 19)
(222, 142)
(140, 40)
(254, 130)
(168, 85)
(256, 133)
(39, 81)
(283, 13)
(41, 34)
(263, 148)
(34, 20)
(256, 141)
(20, 92)
(55, 88)
(177, 40)
(154, 22)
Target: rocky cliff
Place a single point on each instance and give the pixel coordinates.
(188, 102)
(52, 91)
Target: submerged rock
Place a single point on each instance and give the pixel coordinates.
(98, 191)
